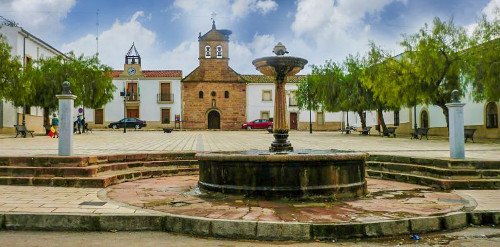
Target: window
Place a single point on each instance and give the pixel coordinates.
(219, 51)
(396, 118)
(165, 93)
(99, 116)
(214, 104)
(165, 116)
(491, 115)
(200, 94)
(320, 118)
(213, 93)
(132, 91)
(293, 99)
(226, 94)
(208, 53)
(264, 114)
(424, 119)
(267, 95)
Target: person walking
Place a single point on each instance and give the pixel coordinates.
(79, 124)
(55, 125)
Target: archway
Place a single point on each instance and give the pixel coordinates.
(213, 120)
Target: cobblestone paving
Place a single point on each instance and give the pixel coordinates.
(112, 142)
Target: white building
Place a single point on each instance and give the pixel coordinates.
(27, 48)
(152, 95)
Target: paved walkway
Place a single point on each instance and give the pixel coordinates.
(113, 142)
(62, 200)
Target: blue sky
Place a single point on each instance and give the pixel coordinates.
(165, 32)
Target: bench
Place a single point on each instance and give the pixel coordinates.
(390, 131)
(420, 132)
(469, 133)
(23, 131)
(86, 128)
(348, 129)
(365, 131)
(167, 130)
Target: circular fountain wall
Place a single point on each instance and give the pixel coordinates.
(336, 175)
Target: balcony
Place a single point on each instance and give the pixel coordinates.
(165, 98)
(133, 96)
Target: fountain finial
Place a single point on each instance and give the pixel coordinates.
(280, 49)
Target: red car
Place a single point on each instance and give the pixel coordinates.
(258, 124)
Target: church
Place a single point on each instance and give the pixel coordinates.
(213, 95)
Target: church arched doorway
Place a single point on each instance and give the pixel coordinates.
(213, 120)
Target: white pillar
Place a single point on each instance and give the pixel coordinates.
(66, 108)
(456, 131)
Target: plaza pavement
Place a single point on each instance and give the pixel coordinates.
(116, 142)
(61, 200)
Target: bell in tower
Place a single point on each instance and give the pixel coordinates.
(133, 56)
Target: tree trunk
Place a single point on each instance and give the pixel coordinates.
(446, 114)
(381, 117)
(46, 116)
(363, 120)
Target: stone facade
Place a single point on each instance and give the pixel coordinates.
(213, 94)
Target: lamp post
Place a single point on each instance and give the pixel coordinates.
(124, 108)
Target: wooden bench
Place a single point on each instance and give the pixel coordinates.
(365, 131)
(23, 131)
(469, 133)
(86, 128)
(348, 129)
(167, 130)
(420, 132)
(390, 131)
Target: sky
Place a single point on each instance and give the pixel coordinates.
(165, 32)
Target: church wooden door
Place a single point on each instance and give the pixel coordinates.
(293, 120)
(213, 120)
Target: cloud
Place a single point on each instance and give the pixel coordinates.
(241, 8)
(492, 10)
(38, 16)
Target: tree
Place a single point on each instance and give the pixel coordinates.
(483, 70)
(382, 77)
(436, 59)
(307, 95)
(10, 68)
(90, 81)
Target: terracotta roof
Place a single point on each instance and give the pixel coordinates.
(153, 73)
(269, 79)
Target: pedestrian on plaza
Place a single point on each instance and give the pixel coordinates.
(55, 125)
(79, 124)
(84, 125)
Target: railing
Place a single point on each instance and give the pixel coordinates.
(292, 102)
(165, 97)
(133, 97)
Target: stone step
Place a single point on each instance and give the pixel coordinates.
(104, 179)
(445, 184)
(432, 171)
(441, 162)
(81, 161)
(86, 171)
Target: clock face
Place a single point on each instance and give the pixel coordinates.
(131, 71)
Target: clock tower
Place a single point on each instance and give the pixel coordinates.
(132, 67)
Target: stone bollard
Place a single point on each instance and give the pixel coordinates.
(456, 130)
(66, 108)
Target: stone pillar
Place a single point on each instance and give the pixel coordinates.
(456, 127)
(66, 108)
(279, 120)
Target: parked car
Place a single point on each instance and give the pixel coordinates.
(130, 122)
(258, 124)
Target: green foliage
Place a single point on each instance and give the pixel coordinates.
(90, 81)
(483, 70)
(10, 69)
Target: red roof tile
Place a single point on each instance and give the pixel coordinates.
(153, 73)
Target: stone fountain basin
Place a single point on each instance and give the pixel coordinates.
(310, 174)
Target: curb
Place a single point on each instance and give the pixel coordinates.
(234, 229)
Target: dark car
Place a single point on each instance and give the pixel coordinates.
(130, 122)
(258, 124)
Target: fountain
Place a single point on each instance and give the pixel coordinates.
(281, 172)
